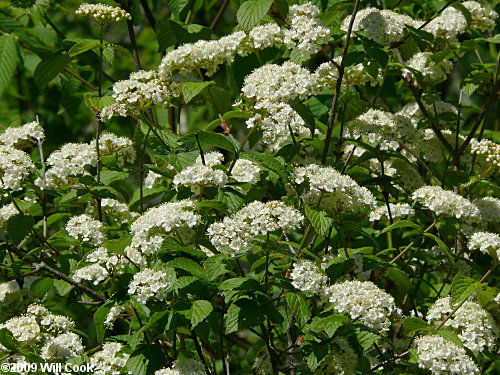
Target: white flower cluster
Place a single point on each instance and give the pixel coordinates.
(50, 330)
(203, 54)
(342, 359)
(277, 120)
(113, 314)
(473, 324)
(383, 26)
(183, 367)
(380, 128)
(246, 171)
(275, 83)
(397, 210)
(142, 90)
(9, 287)
(486, 242)
(152, 179)
(151, 227)
(435, 71)
(199, 175)
(365, 301)
(308, 277)
(85, 229)
(414, 114)
(443, 357)
(113, 145)
(15, 166)
(236, 232)
(451, 22)
(305, 30)
(331, 190)
(327, 75)
(148, 284)
(72, 159)
(110, 360)
(490, 209)
(63, 347)
(114, 208)
(443, 202)
(103, 14)
(489, 149)
(6, 212)
(23, 135)
(95, 273)
(260, 37)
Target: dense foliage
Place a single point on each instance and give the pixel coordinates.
(250, 187)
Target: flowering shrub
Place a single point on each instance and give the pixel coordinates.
(255, 187)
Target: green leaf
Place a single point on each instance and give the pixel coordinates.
(146, 359)
(399, 278)
(82, 47)
(450, 336)
(242, 314)
(18, 227)
(319, 220)
(338, 267)
(199, 311)
(443, 246)
(462, 9)
(240, 283)
(329, 324)
(305, 113)
(188, 265)
(462, 287)
(214, 205)
(218, 265)
(298, 304)
(423, 38)
(191, 89)
(7, 340)
(8, 60)
(48, 69)
(251, 12)
(211, 139)
(401, 224)
(412, 325)
(99, 318)
(314, 353)
(170, 32)
(23, 3)
(267, 161)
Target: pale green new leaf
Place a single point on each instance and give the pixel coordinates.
(8, 60)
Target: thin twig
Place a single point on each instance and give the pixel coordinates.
(219, 14)
(336, 96)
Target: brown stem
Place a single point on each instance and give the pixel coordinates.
(411, 244)
(62, 276)
(219, 14)
(336, 96)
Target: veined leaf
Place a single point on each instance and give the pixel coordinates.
(462, 288)
(191, 89)
(48, 69)
(8, 60)
(199, 311)
(252, 11)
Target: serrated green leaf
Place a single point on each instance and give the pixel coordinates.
(413, 324)
(18, 227)
(95, 102)
(251, 12)
(462, 288)
(8, 60)
(401, 224)
(211, 139)
(305, 113)
(218, 265)
(319, 220)
(188, 265)
(7, 340)
(243, 314)
(48, 69)
(267, 161)
(331, 323)
(199, 311)
(299, 307)
(82, 47)
(240, 283)
(213, 204)
(421, 37)
(191, 89)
